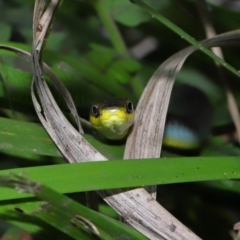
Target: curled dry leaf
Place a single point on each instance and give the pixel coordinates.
(136, 206)
(146, 138)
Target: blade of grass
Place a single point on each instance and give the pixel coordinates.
(67, 178)
(113, 31)
(67, 215)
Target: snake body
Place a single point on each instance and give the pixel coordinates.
(185, 130)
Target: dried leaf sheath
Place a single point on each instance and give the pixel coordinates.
(221, 40)
(73, 146)
(146, 137)
(136, 206)
(118, 202)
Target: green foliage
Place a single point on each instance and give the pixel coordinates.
(118, 70)
(64, 213)
(131, 173)
(15, 85)
(90, 50)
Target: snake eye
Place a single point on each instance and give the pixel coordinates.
(129, 107)
(95, 111)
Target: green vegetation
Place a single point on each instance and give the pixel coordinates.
(92, 50)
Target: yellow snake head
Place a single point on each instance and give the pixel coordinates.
(112, 117)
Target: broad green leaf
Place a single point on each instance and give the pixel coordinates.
(127, 14)
(109, 149)
(66, 178)
(25, 137)
(37, 141)
(67, 215)
(15, 85)
(14, 215)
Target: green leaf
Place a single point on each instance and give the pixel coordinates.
(67, 215)
(66, 178)
(107, 60)
(25, 137)
(15, 85)
(18, 214)
(121, 69)
(37, 141)
(110, 150)
(101, 55)
(90, 73)
(127, 14)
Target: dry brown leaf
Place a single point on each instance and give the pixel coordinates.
(136, 206)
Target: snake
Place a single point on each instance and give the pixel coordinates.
(114, 117)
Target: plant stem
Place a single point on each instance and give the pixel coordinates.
(114, 34)
(116, 39)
